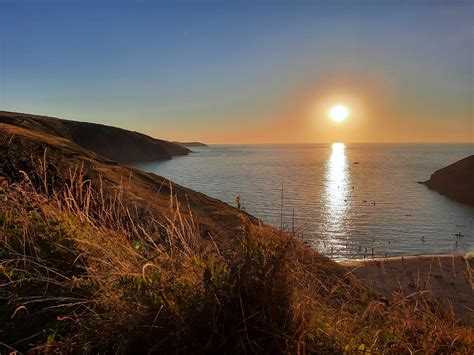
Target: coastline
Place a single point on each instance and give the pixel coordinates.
(446, 280)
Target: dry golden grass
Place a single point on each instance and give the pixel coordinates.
(81, 270)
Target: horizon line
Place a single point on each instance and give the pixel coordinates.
(309, 143)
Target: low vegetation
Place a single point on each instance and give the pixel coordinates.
(83, 271)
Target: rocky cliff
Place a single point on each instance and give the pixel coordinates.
(455, 181)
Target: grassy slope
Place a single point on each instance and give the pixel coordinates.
(96, 256)
(26, 150)
(111, 142)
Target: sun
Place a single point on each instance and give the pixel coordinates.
(339, 113)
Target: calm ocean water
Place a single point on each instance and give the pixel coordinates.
(346, 200)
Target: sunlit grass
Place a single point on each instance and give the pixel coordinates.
(83, 270)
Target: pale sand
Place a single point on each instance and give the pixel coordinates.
(446, 278)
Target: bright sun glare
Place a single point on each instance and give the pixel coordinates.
(338, 113)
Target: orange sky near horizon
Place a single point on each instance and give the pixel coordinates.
(302, 117)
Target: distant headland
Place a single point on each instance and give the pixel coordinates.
(113, 143)
(191, 144)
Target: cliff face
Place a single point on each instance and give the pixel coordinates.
(455, 181)
(113, 143)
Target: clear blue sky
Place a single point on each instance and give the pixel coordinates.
(244, 71)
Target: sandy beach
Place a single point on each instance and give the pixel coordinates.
(445, 279)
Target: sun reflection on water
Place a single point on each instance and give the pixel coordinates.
(336, 192)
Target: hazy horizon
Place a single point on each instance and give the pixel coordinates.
(244, 72)
(190, 140)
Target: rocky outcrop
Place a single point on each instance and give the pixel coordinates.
(113, 143)
(455, 181)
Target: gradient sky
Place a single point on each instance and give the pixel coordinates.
(245, 71)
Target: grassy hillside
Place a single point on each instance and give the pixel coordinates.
(112, 143)
(97, 257)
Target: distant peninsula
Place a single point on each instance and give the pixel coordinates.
(455, 181)
(117, 144)
(191, 144)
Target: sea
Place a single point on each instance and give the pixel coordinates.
(349, 201)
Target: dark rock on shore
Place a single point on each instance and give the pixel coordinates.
(455, 181)
(113, 143)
